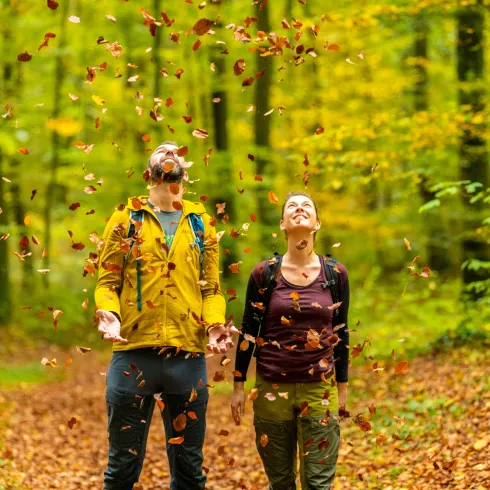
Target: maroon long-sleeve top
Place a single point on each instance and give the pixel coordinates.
(300, 343)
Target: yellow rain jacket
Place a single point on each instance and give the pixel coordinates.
(175, 309)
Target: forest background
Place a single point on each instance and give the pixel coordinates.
(379, 109)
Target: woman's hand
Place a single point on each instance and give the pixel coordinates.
(109, 326)
(238, 402)
(342, 389)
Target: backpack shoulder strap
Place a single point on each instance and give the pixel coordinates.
(197, 226)
(333, 279)
(135, 215)
(271, 270)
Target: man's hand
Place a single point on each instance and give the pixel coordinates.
(238, 402)
(220, 337)
(109, 326)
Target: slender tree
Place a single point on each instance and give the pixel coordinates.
(437, 236)
(5, 308)
(262, 123)
(59, 77)
(220, 126)
(473, 151)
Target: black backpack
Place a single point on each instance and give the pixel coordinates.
(271, 270)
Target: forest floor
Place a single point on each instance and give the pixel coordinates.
(429, 429)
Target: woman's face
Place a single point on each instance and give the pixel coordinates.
(299, 214)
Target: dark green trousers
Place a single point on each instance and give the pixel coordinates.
(280, 431)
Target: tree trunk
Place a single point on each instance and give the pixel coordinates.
(473, 151)
(5, 308)
(19, 213)
(60, 72)
(437, 238)
(157, 40)
(220, 126)
(263, 84)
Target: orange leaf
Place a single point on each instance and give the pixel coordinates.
(273, 198)
(192, 415)
(176, 440)
(401, 367)
(174, 188)
(254, 393)
(193, 396)
(202, 26)
(24, 151)
(180, 422)
(264, 440)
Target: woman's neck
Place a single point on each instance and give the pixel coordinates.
(300, 250)
(162, 198)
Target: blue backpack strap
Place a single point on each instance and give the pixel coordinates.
(135, 216)
(197, 227)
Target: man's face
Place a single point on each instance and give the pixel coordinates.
(166, 165)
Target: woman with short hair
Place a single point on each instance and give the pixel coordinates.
(296, 319)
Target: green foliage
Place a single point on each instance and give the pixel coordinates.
(346, 129)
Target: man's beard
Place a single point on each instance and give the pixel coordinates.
(175, 175)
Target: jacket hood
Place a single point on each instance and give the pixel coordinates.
(188, 206)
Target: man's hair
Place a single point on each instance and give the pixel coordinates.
(166, 142)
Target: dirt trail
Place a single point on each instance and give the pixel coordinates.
(436, 419)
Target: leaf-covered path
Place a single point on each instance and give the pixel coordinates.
(430, 430)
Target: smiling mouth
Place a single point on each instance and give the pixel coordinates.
(301, 216)
(169, 159)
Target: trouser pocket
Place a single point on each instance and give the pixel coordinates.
(128, 423)
(319, 444)
(276, 444)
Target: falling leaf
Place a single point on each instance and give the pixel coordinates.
(74, 19)
(234, 267)
(83, 350)
(72, 422)
(176, 440)
(239, 67)
(24, 151)
(24, 57)
(401, 367)
(202, 26)
(247, 82)
(111, 18)
(253, 394)
(425, 273)
(200, 133)
(273, 199)
(180, 422)
(407, 244)
(98, 100)
(51, 363)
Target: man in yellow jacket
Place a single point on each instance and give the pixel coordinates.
(159, 301)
